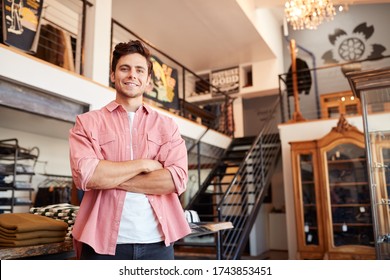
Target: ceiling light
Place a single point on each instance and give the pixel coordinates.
(308, 14)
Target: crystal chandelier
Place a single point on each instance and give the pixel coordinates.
(308, 14)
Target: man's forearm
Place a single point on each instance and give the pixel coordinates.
(157, 182)
(109, 174)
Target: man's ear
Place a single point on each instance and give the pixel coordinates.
(112, 77)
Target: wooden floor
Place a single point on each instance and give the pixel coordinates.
(269, 255)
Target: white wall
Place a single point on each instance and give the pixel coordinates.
(97, 42)
(53, 158)
(259, 237)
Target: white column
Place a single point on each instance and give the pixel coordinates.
(97, 42)
(238, 117)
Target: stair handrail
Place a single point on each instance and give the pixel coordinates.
(207, 181)
(198, 140)
(255, 142)
(247, 221)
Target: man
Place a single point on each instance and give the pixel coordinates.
(131, 162)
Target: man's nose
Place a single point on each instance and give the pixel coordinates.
(133, 73)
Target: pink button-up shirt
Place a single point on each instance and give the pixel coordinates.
(105, 134)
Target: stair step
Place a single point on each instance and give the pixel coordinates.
(237, 152)
(224, 174)
(220, 184)
(241, 148)
(225, 204)
(207, 217)
(243, 140)
(238, 204)
(194, 244)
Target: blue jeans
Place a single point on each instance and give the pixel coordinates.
(152, 251)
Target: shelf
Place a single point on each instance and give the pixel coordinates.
(333, 205)
(352, 224)
(15, 189)
(17, 173)
(343, 161)
(348, 184)
(308, 182)
(8, 201)
(9, 152)
(18, 164)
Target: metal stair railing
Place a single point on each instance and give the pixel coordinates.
(242, 199)
(208, 181)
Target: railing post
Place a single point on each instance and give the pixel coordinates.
(297, 111)
(83, 27)
(183, 109)
(198, 161)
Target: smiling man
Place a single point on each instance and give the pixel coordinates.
(131, 163)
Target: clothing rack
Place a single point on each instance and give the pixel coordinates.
(53, 190)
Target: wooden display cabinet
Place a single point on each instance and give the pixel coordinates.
(380, 147)
(332, 196)
(339, 103)
(372, 88)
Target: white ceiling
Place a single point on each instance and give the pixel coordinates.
(202, 34)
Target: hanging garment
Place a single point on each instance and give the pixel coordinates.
(303, 78)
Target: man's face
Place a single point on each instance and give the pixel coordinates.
(131, 76)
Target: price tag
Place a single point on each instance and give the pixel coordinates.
(309, 238)
(344, 227)
(306, 228)
(362, 209)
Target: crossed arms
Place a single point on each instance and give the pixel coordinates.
(139, 176)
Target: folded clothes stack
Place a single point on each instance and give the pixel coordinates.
(26, 229)
(63, 212)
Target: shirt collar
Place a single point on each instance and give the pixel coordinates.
(114, 105)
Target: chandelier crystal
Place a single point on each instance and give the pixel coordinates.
(308, 14)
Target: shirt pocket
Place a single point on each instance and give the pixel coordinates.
(158, 146)
(108, 144)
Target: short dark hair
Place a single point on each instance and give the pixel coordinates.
(133, 46)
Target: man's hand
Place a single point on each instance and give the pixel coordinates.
(152, 165)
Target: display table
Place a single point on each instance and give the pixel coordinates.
(62, 250)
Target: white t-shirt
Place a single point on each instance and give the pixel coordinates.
(139, 223)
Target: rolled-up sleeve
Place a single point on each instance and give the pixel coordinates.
(177, 161)
(84, 154)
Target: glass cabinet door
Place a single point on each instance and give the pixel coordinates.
(381, 182)
(309, 204)
(349, 195)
